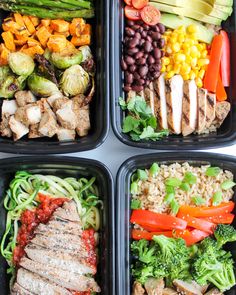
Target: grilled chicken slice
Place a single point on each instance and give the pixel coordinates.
(68, 212)
(169, 291)
(222, 111)
(210, 109)
(174, 99)
(9, 107)
(65, 279)
(186, 288)
(60, 260)
(189, 117)
(37, 285)
(150, 97)
(202, 109)
(59, 226)
(154, 286)
(18, 290)
(161, 110)
(137, 289)
(131, 94)
(24, 97)
(214, 291)
(19, 130)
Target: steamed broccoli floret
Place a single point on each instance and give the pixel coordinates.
(142, 272)
(224, 233)
(143, 251)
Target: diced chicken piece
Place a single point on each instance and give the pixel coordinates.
(65, 279)
(51, 99)
(154, 286)
(222, 111)
(186, 288)
(19, 130)
(5, 129)
(83, 121)
(150, 97)
(67, 117)
(214, 291)
(43, 104)
(37, 285)
(65, 134)
(34, 131)
(202, 94)
(9, 107)
(174, 99)
(137, 289)
(78, 101)
(131, 94)
(24, 97)
(18, 290)
(161, 108)
(202, 289)
(48, 125)
(61, 103)
(60, 260)
(33, 114)
(210, 109)
(169, 291)
(190, 107)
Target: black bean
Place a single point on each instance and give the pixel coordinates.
(130, 78)
(147, 46)
(127, 88)
(135, 27)
(132, 68)
(140, 30)
(151, 60)
(132, 51)
(133, 43)
(136, 76)
(129, 60)
(156, 29)
(158, 67)
(144, 34)
(146, 27)
(137, 88)
(126, 40)
(157, 74)
(161, 28)
(143, 71)
(155, 36)
(141, 61)
(130, 23)
(149, 38)
(138, 55)
(123, 65)
(157, 53)
(129, 32)
(161, 42)
(142, 41)
(162, 53)
(155, 44)
(137, 35)
(140, 82)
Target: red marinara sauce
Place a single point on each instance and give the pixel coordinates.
(30, 219)
(90, 244)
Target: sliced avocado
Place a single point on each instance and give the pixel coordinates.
(187, 11)
(173, 21)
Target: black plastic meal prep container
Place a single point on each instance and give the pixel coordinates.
(99, 106)
(68, 167)
(226, 134)
(123, 197)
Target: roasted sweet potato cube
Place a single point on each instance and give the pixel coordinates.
(4, 52)
(77, 26)
(82, 40)
(9, 40)
(33, 50)
(35, 20)
(32, 42)
(46, 22)
(43, 35)
(57, 43)
(19, 19)
(59, 25)
(29, 24)
(87, 30)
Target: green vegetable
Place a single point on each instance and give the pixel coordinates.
(10, 85)
(154, 169)
(169, 197)
(213, 171)
(185, 186)
(86, 53)
(175, 182)
(64, 61)
(224, 233)
(134, 188)
(228, 184)
(5, 71)
(41, 86)
(217, 198)
(21, 64)
(170, 189)
(135, 204)
(197, 200)
(174, 205)
(142, 174)
(190, 178)
(140, 123)
(74, 81)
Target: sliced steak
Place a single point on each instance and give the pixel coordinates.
(161, 109)
(37, 285)
(65, 279)
(154, 286)
(174, 99)
(189, 117)
(202, 93)
(18, 290)
(210, 109)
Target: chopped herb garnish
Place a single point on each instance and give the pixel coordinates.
(170, 189)
(134, 188)
(197, 200)
(175, 182)
(135, 204)
(190, 178)
(154, 169)
(168, 198)
(174, 206)
(185, 186)
(213, 171)
(228, 184)
(142, 174)
(217, 198)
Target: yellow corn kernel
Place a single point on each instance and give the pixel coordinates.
(185, 69)
(173, 40)
(193, 36)
(176, 47)
(181, 29)
(185, 46)
(163, 69)
(165, 61)
(170, 74)
(189, 41)
(181, 38)
(188, 59)
(169, 68)
(202, 62)
(204, 46)
(168, 50)
(186, 77)
(192, 75)
(177, 68)
(201, 74)
(204, 53)
(199, 82)
(192, 29)
(179, 57)
(194, 62)
(199, 47)
(194, 51)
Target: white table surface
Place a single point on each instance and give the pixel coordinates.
(113, 153)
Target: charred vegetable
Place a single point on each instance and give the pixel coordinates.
(63, 60)
(10, 85)
(41, 86)
(21, 63)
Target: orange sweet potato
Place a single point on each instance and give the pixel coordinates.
(59, 25)
(46, 22)
(57, 43)
(9, 40)
(43, 35)
(19, 19)
(28, 23)
(77, 26)
(4, 52)
(82, 40)
(35, 20)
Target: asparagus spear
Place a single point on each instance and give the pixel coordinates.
(49, 3)
(81, 3)
(46, 13)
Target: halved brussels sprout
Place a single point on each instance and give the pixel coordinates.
(4, 72)
(41, 86)
(64, 60)
(12, 84)
(74, 81)
(86, 52)
(21, 63)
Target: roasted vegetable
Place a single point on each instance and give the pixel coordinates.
(224, 234)
(63, 60)
(21, 63)
(11, 84)
(41, 86)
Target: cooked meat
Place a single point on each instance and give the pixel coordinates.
(169, 291)
(66, 116)
(65, 279)
(222, 111)
(34, 131)
(60, 103)
(5, 129)
(131, 94)
(83, 121)
(65, 134)
(154, 286)
(68, 212)
(202, 93)
(186, 288)
(60, 260)
(9, 107)
(19, 130)
(202, 289)
(51, 99)
(18, 290)
(174, 99)
(48, 125)
(210, 109)
(161, 109)
(214, 291)
(150, 97)
(189, 117)
(43, 104)
(29, 114)
(24, 97)
(38, 285)
(137, 289)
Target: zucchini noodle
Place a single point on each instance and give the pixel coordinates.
(22, 194)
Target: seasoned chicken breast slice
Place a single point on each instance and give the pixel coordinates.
(161, 110)
(202, 109)
(210, 109)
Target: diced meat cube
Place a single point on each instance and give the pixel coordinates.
(19, 130)
(24, 97)
(222, 111)
(34, 131)
(5, 129)
(187, 288)
(61, 103)
(9, 107)
(154, 286)
(48, 125)
(65, 134)
(33, 114)
(169, 291)
(67, 117)
(51, 99)
(83, 121)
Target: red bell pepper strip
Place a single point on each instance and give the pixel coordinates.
(191, 237)
(221, 219)
(225, 60)
(198, 223)
(142, 234)
(203, 211)
(221, 94)
(211, 76)
(156, 220)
